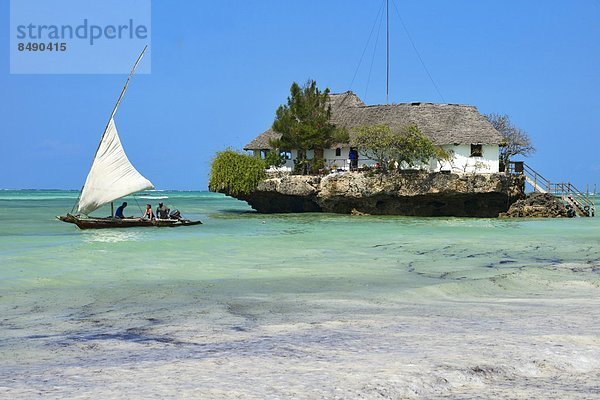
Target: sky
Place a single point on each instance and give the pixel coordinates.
(219, 70)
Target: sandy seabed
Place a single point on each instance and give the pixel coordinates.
(310, 306)
(303, 347)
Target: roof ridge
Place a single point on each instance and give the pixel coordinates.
(420, 103)
(442, 122)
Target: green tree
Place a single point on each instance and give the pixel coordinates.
(406, 146)
(375, 143)
(516, 141)
(304, 122)
(235, 173)
(273, 159)
(412, 148)
(443, 156)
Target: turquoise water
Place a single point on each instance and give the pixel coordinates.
(295, 306)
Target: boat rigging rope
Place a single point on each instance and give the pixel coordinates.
(77, 201)
(377, 18)
(138, 204)
(373, 56)
(378, 21)
(417, 52)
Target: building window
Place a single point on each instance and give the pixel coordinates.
(476, 150)
(263, 154)
(286, 155)
(338, 152)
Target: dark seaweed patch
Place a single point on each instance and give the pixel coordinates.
(134, 335)
(382, 245)
(239, 329)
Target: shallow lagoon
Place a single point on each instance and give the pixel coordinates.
(295, 306)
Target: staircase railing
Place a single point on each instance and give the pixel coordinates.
(538, 182)
(582, 203)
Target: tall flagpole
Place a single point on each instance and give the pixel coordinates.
(387, 80)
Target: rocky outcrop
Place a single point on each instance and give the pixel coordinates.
(285, 194)
(412, 193)
(539, 205)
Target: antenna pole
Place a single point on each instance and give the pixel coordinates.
(387, 80)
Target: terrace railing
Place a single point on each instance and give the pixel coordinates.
(582, 203)
(345, 164)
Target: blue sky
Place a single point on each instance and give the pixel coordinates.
(221, 68)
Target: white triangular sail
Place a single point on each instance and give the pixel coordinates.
(112, 175)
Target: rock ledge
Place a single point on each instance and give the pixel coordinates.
(411, 193)
(538, 205)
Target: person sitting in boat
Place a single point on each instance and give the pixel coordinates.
(119, 213)
(148, 213)
(162, 211)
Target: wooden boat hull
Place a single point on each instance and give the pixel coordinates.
(105, 223)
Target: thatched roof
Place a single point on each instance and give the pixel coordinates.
(442, 123)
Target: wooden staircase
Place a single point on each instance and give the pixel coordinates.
(583, 204)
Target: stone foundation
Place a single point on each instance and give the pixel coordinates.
(411, 193)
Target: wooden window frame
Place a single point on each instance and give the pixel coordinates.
(476, 150)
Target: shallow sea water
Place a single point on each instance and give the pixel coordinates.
(305, 306)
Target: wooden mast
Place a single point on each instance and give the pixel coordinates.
(126, 85)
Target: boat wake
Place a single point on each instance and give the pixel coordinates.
(153, 197)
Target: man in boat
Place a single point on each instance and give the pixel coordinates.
(119, 213)
(162, 212)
